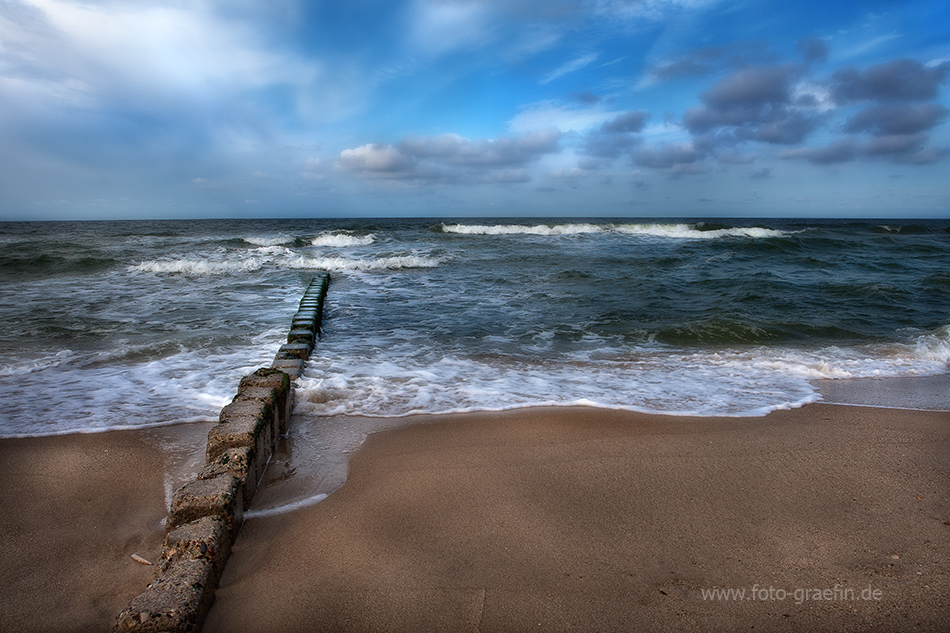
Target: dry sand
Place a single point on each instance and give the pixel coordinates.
(74, 510)
(75, 507)
(592, 520)
(552, 520)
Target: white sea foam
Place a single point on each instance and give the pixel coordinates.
(85, 394)
(279, 257)
(36, 364)
(200, 267)
(464, 385)
(269, 241)
(673, 231)
(686, 231)
(739, 382)
(342, 240)
(517, 229)
(347, 264)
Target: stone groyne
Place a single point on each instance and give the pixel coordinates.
(206, 513)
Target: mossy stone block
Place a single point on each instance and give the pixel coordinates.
(240, 463)
(271, 398)
(293, 367)
(252, 432)
(294, 350)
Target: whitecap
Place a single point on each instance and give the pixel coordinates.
(269, 241)
(198, 267)
(518, 229)
(676, 231)
(687, 231)
(342, 240)
(346, 264)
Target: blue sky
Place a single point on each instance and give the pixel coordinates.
(689, 108)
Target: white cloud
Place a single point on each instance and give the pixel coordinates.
(152, 57)
(569, 67)
(158, 48)
(452, 158)
(440, 26)
(375, 157)
(547, 114)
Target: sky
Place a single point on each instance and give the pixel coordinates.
(454, 108)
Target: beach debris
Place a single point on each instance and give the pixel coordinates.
(139, 559)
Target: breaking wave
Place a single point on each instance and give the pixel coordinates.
(518, 229)
(346, 264)
(342, 240)
(199, 267)
(675, 231)
(269, 241)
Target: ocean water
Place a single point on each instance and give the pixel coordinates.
(132, 324)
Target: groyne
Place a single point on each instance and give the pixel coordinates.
(206, 513)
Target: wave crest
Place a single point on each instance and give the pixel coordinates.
(269, 241)
(688, 231)
(199, 267)
(676, 231)
(345, 264)
(342, 240)
(518, 229)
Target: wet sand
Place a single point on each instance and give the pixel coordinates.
(593, 520)
(540, 519)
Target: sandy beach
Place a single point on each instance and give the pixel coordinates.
(75, 508)
(539, 519)
(594, 520)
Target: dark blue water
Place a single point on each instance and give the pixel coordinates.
(110, 324)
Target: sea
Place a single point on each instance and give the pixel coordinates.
(130, 324)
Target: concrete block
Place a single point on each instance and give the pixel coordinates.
(293, 367)
(217, 497)
(254, 407)
(304, 321)
(279, 380)
(247, 431)
(269, 396)
(175, 602)
(205, 539)
(301, 335)
(248, 422)
(242, 464)
(294, 350)
(308, 325)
